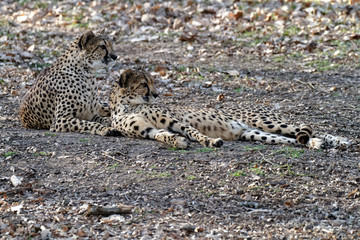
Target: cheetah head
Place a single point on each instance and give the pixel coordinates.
(134, 87)
(97, 50)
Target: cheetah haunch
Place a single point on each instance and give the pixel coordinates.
(134, 115)
(64, 97)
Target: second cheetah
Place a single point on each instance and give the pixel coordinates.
(134, 114)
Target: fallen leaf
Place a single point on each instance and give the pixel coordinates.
(288, 203)
(81, 233)
(187, 38)
(354, 193)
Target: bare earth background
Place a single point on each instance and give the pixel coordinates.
(298, 57)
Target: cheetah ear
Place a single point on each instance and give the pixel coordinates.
(120, 82)
(85, 38)
(123, 80)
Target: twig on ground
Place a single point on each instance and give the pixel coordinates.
(113, 158)
(136, 219)
(330, 168)
(107, 211)
(306, 83)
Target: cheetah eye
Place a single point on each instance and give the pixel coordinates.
(102, 46)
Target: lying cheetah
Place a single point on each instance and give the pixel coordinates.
(133, 114)
(64, 97)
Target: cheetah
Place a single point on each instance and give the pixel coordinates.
(64, 96)
(134, 114)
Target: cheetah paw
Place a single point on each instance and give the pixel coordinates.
(211, 142)
(218, 142)
(316, 143)
(181, 142)
(112, 132)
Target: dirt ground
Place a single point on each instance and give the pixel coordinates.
(243, 190)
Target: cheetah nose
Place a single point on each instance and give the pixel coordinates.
(155, 95)
(113, 56)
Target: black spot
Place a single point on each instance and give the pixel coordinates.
(264, 138)
(256, 132)
(132, 123)
(283, 126)
(252, 137)
(163, 121)
(171, 125)
(271, 126)
(273, 141)
(136, 128)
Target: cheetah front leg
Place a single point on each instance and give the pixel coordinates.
(68, 124)
(65, 121)
(133, 125)
(189, 132)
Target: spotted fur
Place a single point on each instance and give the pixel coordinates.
(64, 97)
(134, 114)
